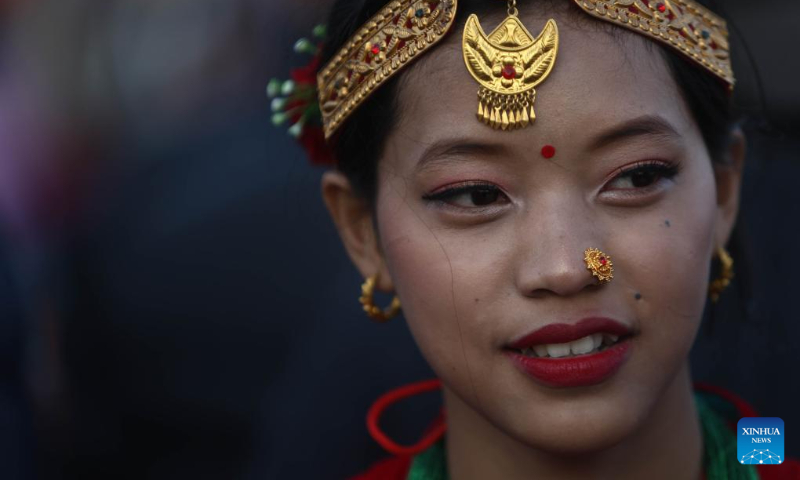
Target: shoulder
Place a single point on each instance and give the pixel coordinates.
(732, 407)
(394, 468)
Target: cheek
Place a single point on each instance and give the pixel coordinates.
(669, 261)
(431, 281)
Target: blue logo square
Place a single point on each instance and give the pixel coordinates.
(760, 440)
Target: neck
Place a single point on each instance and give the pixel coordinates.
(476, 449)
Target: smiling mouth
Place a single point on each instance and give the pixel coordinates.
(590, 344)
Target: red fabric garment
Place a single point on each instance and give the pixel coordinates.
(393, 468)
(397, 467)
(788, 470)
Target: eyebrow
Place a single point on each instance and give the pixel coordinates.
(452, 150)
(644, 126)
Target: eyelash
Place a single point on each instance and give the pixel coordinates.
(440, 198)
(663, 170)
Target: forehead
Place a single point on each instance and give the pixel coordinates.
(598, 79)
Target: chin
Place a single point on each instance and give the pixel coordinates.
(577, 440)
(570, 433)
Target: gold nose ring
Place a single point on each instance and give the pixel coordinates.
(599, 264)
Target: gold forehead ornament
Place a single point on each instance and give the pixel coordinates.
(509, 62)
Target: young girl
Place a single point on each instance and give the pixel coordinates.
(544, 186)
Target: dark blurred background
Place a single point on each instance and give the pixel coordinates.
(174, 299)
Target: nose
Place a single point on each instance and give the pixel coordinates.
(552, 241)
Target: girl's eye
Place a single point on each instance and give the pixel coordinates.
(643, 175)
(475, 196)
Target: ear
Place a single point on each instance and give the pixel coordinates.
(729, 182)
(353, 219)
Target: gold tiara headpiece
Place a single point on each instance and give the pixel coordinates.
(403, 29)
(684, 25)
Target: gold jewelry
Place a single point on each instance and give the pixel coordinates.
(508, 64)
(725, 276)
(373, 311)
(684, 25)
(599, 264)
(401, 31)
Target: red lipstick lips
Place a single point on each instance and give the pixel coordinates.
(563, 333)
(581, 370)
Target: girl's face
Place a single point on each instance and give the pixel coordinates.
(478, 269)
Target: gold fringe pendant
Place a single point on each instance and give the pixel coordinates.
(508, 63)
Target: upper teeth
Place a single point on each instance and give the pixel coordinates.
(587, 344)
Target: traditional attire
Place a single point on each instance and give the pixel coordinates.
(719, 411)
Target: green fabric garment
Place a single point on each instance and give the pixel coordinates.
(719, 457)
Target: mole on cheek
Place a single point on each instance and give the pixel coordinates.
(666, 222)
(477, 300)
(638, 296)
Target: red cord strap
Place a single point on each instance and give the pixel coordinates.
(745, 410)
(393, 396)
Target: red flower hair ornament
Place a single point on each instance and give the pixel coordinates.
(296, 102)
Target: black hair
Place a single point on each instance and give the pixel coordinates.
(360, 140)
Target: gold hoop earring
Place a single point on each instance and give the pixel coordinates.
(716, 287)
(373, 311)
(599, 264)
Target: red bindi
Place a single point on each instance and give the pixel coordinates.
(548, 151)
